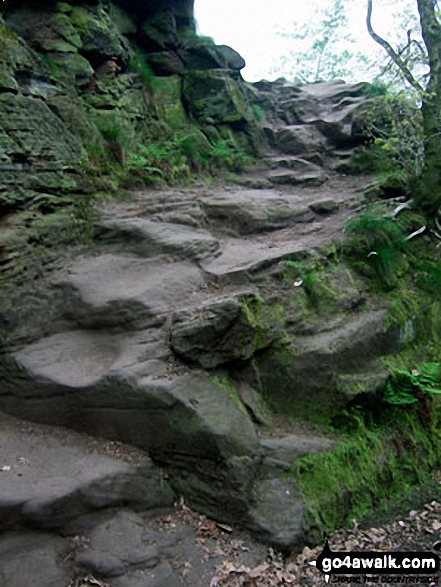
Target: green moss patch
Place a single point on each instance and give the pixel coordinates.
(365, 468)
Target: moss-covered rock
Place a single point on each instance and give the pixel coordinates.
(166, 63)
(18, 59)
(215, 97)
(160, 32)
(99, 36)
(74, 65)
(364, 468)
(45, 30)
(40, 153)
(168, 99)
(80, 123)
(200, 54)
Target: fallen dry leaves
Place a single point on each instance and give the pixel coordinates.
(417, 531)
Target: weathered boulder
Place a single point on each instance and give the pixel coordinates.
(166, 63)
(125, 291)
(219, 332)
(283, 451)
(148, 238)
(107, 558)
(213, 96)
(294, 171)
(160, 32)
(118, 389)
(249, 212)
(203, 55)
(32, 560)
(312, 120)
(273, 522)
(302, 140)
(305, 378)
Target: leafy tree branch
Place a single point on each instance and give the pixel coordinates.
(396, 57)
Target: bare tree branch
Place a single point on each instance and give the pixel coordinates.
(396, 58)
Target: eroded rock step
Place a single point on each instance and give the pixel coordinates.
(145, 321)
(73, 506)
(121, 290)
(322, 114)
(147, 238)
(48, 477)
(122, 548)
(173, 206)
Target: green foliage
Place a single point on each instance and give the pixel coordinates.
(429, 277)
(393, 125)
(161, 161)
(403, 306)
(113, 133)
(224, 153)
(258, 112)
(317, 52)
(173, 160)
(410, 387)
(138, 64)
(367, 466)
(318, 288)
(376, 88)
(117, 139)
(315, 280)
(377, 245)
(324, 479)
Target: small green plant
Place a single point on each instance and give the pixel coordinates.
(116, 137)
(314, 281)
(258, 112)
(429, 277)
(138, 64)
(318, 288)
(138, 162)
(392, 124)
(224, 153)
(165, 160)
(377, 244)
(410, 387)
(376, 88)
(173, 160)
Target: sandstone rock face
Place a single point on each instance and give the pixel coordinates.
(312, 123)
(185, 323)
(190, 322)
(214, 97)
(153, 238)
(37, 151)
(250, 212)
(73, 84)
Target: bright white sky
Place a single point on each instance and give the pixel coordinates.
(250, 26)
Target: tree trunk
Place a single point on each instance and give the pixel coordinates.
(430, 185)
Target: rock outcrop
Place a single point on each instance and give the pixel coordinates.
(177, 337)
(311, 129)
(194, 317)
